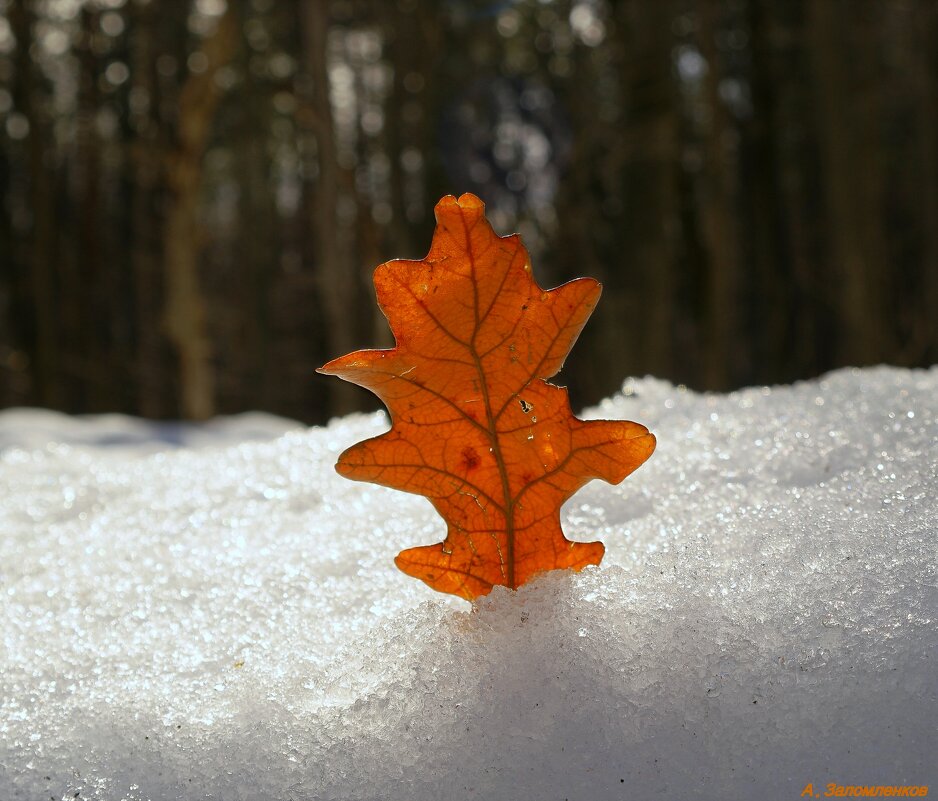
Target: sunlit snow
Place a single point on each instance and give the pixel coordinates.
(214, 613)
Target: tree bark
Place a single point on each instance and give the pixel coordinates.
(852, 181)
(335, 277)
(719, 216)
(185, 315)
(147, 153)
(651, 189)
(925, 344)
(46, 353)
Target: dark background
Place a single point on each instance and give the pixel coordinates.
(194, 194)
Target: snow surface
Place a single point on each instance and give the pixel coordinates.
(32, 429)
(227, 623)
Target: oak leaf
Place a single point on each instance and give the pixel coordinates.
(474, 425)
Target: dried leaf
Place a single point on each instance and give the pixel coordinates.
(475, 428)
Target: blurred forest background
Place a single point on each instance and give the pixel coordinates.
(194, 194)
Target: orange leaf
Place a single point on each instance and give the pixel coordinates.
(474, 427)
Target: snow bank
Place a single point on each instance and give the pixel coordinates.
(36, 428)
(227, 623)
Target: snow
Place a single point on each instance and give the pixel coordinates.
(32, 429)
(214, 613)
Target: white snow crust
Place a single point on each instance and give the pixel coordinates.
(226, 622)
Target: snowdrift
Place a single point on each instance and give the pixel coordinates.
(214, 613)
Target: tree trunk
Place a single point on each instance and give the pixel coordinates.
(335, 278)
(91, 348)
(651, 188)
(147, 153)
(925, 347)
(46, 352)
(185, 316)
(719, 216)
(852, 179)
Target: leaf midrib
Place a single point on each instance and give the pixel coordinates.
(508, 561)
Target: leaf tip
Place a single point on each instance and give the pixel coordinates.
(329, 367)
(467, 200)
(467, 205)
(647, 442)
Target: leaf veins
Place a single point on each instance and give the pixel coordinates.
(474, 425)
